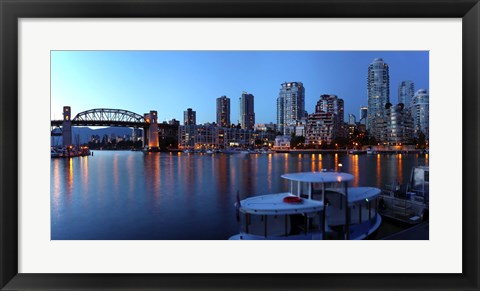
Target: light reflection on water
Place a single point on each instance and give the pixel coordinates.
(129, 195)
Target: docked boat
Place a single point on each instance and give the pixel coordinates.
(54, 153)
(407, 204)
(318, 205)
(357, 152)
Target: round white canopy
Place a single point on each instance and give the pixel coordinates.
(273, 204)
(362, 193)
(319, 177)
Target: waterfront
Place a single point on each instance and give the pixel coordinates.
(130, 195)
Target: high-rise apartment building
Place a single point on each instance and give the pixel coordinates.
(223, 111)
(247, 114)
(290, 106)
(378, 87)
(398, 125)
(320, 128)
(189, 117)
(333, 104)
(406, 91)
(420, 112)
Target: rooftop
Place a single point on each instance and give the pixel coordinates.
(319, 177)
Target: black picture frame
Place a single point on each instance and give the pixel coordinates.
(12, 10)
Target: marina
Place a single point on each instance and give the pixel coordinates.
(132, 195)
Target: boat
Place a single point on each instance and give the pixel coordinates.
(318, 205)
(371, 152)
(54, 153)
(409, 204)
(357, 152)
(234, 151)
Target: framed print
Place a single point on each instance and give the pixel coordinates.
(161, 193)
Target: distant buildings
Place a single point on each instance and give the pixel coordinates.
(301, 127)
(282, 142)
(223, 111)
(398, 125)
(352, 120)
(378, 88)
(189, 117)
(378, 123)
(266, 127)
(320, 128)
(247, 113)
(406, 91)
(333, 104)
(327, 123)
(420, 113)
(206, 136)
(290, 106)
(363, 115)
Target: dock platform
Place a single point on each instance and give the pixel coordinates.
(417, 232)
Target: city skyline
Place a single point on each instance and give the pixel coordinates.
(141, 81)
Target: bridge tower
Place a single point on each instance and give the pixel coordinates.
(67, 126)
(152, 132)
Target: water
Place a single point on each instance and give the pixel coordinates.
(129, 195)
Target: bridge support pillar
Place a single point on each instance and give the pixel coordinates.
(145, 137)
(152, 131)
(67, 126)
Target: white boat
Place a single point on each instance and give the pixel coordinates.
(55, 154)
(407, 204)
(319, 205)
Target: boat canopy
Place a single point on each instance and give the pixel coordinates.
(356, 194)
(273, 204)
(319, 177)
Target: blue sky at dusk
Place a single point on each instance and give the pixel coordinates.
(172, 81)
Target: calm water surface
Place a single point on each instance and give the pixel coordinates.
(129, 195)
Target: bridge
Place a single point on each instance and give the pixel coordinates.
(109, 117)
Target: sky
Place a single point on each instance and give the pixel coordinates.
(172, 81)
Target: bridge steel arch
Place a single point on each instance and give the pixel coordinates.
(106, 117)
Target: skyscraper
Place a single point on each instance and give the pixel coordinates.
(290, 106)
(223, 111)
(420, 112)
(189, 117)
(247, 113)
(363, 115)
(406, 91)
(378, 86)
